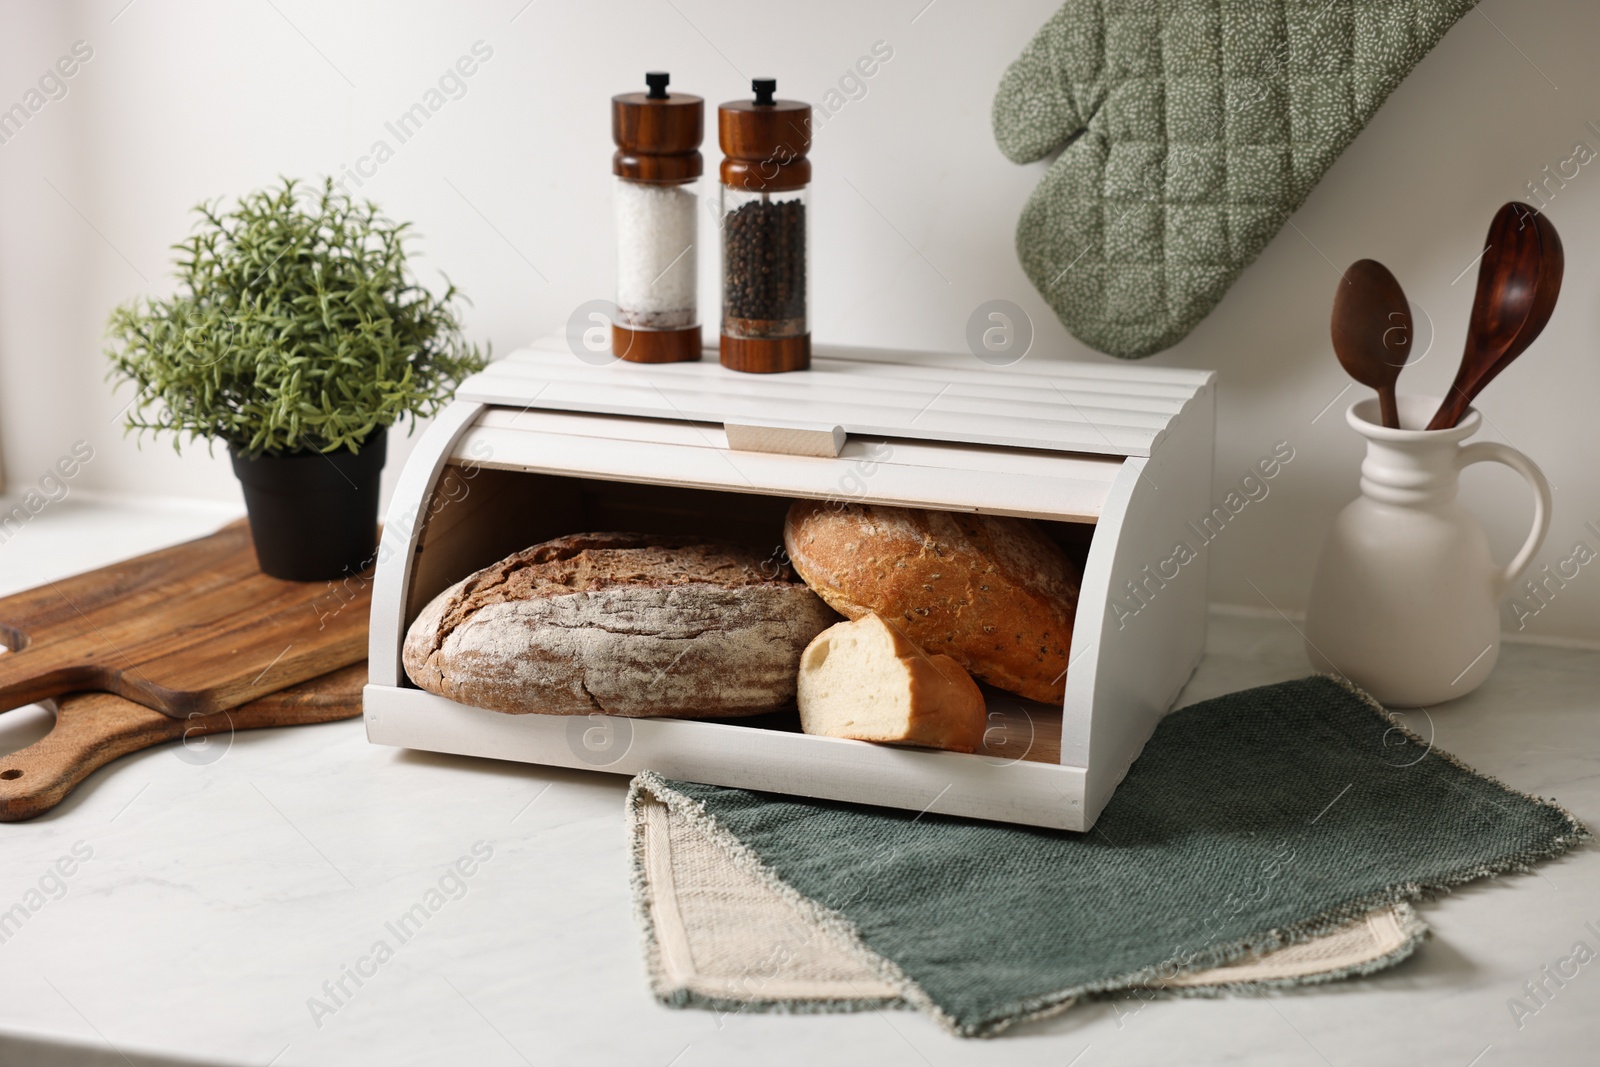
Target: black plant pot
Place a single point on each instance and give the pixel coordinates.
(314, 515)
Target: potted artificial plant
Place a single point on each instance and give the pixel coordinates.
(298, 337)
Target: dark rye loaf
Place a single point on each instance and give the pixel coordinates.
(619, 623)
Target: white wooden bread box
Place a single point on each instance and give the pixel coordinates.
(1115, 460)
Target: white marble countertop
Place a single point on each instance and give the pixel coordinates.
(220, 895)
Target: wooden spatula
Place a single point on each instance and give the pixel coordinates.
(192, 629)
(1519, 280)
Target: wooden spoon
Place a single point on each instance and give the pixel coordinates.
(1372, 331)
(1518, 282)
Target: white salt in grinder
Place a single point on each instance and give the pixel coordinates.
(657, 166)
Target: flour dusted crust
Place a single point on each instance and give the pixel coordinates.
(995, 594)
(864, 679)
(623, 624)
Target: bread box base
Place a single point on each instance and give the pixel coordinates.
(1114, 461)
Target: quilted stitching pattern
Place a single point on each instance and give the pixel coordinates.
(1191, 130)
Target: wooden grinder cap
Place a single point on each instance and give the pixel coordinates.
(765, 141)
(657, 133)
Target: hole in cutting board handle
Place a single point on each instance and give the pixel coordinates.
(11, 775)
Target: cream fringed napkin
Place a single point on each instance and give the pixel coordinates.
(723, 933)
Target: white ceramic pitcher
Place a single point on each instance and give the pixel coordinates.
(1406, 599)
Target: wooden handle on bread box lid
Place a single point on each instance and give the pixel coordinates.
(786, 438)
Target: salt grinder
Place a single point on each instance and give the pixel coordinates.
(764, 191)
(657, 166)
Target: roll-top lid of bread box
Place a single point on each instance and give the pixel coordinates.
(1051, 405)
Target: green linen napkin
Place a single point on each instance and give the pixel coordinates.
(1253, 821)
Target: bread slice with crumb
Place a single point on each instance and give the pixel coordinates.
(866, 680)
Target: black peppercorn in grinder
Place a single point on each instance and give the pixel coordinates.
(764, 179)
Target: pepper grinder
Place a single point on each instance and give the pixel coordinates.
(657, 166)
(763, 210)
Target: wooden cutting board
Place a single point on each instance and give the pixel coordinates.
(92, 729)
(190, 630)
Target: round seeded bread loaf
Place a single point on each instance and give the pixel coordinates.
(994, 594)
(623, 624)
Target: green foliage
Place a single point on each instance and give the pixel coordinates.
(296, 326)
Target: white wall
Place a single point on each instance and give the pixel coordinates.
(914, 210)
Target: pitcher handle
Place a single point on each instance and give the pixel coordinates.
(1494, 452)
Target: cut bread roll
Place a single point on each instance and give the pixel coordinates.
(866, 680)
(994, 593)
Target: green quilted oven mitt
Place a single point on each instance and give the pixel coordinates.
(1192, 129)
